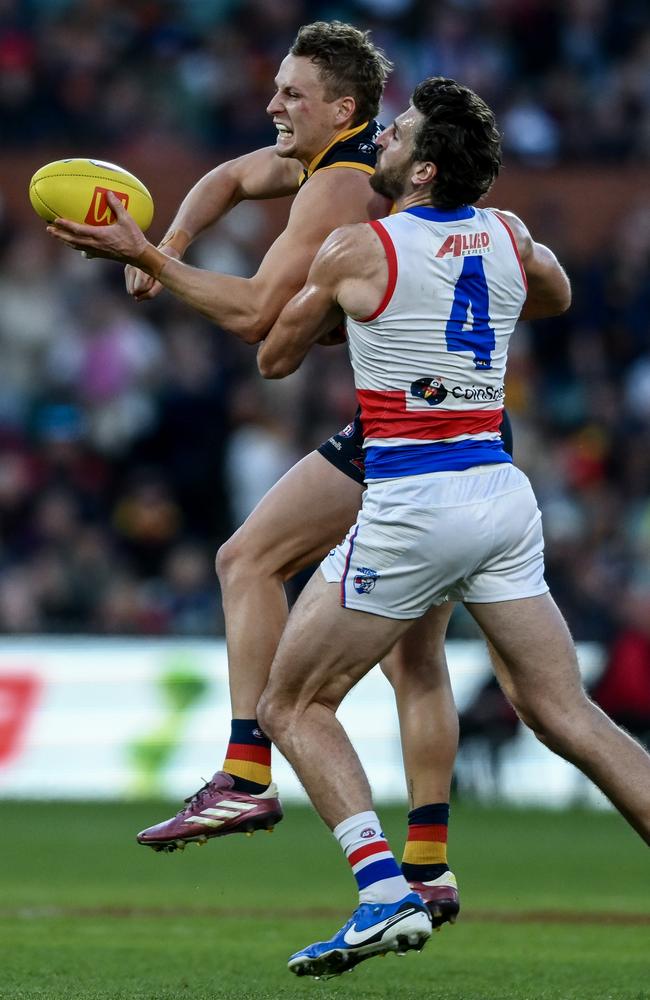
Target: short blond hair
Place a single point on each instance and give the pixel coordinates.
(348, 63)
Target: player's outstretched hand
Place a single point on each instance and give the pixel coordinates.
(123, 240)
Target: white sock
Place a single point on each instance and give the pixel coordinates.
(378, 875)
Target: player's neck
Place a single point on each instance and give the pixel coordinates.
(309, 159)
(413, 199)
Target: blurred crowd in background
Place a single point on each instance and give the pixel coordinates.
(134, 439)
(567, 78)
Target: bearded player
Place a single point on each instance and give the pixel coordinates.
(462, 520)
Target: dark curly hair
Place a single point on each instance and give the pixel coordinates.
(458, 134)
(348, 63)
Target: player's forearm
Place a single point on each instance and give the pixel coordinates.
(231, 302)
(283, 351)
(309, 316)
(209, 200)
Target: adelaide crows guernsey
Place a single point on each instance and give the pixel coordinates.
(355, 147)
(429, 363)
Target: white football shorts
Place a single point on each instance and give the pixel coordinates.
(473, 536)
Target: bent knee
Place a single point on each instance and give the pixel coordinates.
(399, 673)
(226, 558)
(553, 721)
(265, 716)
(392, 670)
(273, 716)
(424, 670)
(280, 711)
(249, 555)
(238, 557)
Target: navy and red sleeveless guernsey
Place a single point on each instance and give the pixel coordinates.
(355, 148)
(455, 289)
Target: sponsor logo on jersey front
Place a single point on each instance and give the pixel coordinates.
(466, 245)
(491, 393)
(100, 212)
(431, 389)
(365, 579)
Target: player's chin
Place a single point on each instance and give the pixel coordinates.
(285, 147)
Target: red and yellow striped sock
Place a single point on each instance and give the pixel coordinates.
(425, 851)
(248, 757)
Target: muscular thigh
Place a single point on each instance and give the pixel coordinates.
(536, 662)
(420, 653)
(325, 648)
(302, 517)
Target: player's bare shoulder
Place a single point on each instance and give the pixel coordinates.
(340, 195)
(353, 249)
(353, 262)
(519, 230)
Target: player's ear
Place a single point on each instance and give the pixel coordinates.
(346, 106)
(424, 172)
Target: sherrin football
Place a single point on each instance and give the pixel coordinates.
(76, 189)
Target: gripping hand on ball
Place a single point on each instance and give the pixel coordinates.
(123, 240)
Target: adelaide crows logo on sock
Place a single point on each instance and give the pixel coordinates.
(430, 389)
(365, 579)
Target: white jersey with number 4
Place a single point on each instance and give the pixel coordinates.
(430, 362)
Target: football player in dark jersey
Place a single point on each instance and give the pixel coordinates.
(328, 90)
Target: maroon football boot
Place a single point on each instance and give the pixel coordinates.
(214, 811)
(441, 897)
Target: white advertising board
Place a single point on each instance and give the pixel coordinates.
(112, 718)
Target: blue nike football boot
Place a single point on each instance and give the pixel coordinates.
(373, 929)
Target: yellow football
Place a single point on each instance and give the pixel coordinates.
(76, 189)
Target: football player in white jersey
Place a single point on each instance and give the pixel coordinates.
(446, 513)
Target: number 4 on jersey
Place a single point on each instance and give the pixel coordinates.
(471, 293)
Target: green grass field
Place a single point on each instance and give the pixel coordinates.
(555, 905)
